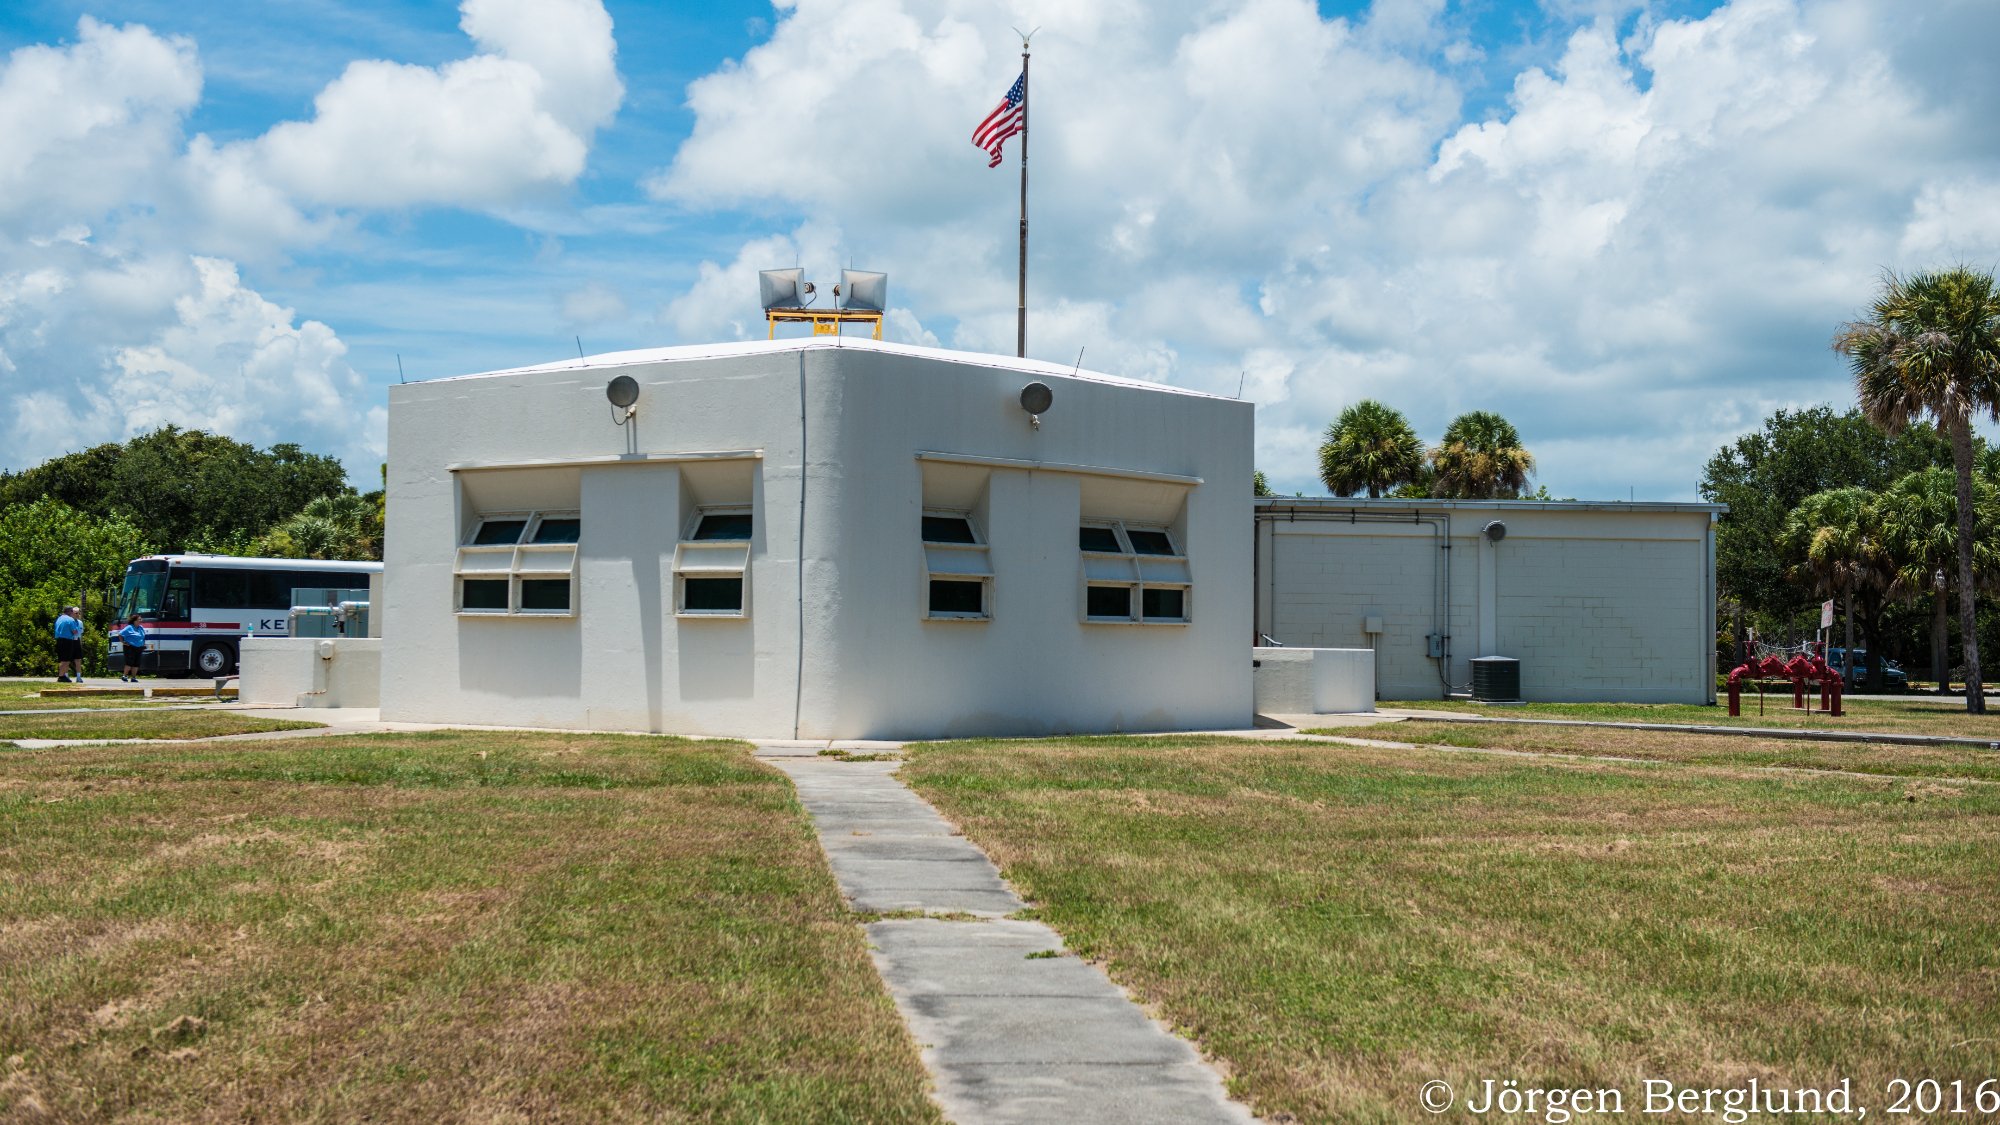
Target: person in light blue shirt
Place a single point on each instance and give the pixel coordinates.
(133, 637)
(69, 644)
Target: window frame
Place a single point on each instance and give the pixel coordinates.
(523, 560)
(1133, 570)
(946, 561)
(714, 559)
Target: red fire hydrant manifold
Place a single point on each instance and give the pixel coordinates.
(1800, 670)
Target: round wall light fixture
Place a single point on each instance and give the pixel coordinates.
(624, 395)
(1036, 398)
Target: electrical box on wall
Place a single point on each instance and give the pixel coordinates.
(1436, 642)
(1371, 625)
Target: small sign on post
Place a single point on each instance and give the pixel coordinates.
(1826, 614)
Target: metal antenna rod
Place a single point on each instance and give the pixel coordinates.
(1241, 374)
(1079, 361)
(579, 349)
(400, 377)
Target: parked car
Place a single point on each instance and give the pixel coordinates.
(1893, 676)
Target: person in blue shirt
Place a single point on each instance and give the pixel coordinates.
(133, 637)
(69, 644)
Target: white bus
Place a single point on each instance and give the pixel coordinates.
(197, 607)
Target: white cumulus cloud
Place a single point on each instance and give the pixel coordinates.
(1642, 251)
(122, 303)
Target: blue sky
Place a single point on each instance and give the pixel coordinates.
(1630, 227)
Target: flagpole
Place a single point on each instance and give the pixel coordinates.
(1021, 309)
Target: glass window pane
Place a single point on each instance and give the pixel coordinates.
(954, 596)
(1098, 539)
(1107, 601)
(1163, 603)
(563, 530)
(712, 595)
(723, 525)
(545, 593)
(483, 593)
(1150, 542)
(948, 529)
(272, 589)
(497, 533)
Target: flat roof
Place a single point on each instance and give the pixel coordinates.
(684, 353)
(1413, 505)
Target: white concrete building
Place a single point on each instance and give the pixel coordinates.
(1598, 601)
(823, 538)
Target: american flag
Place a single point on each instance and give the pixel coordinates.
(1008, 118)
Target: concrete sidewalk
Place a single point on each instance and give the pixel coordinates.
(1011, 1033)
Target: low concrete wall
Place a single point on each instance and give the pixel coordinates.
(308, 672)
(1314, 681)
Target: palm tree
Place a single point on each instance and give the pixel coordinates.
(1481, 459)
(1370, 446)
(1831, 543)
(1919, 524)
(1931, 346)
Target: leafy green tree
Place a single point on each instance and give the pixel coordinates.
(1261, 485)
(1369, 447)
(181, 488)
(1422, 486)
(1931, 347)
(1833, 547)
(1918, 520)
(1480, 458)
(1765, 474)
(52, 555)
(329, 527)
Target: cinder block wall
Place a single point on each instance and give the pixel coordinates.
(1600, 602)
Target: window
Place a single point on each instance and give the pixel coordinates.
(948, 529)
(498, 533)
(1091, 537)
(1103, 600)
(483, 595)
(558, 529)
(1132, 574)
(519, 564)
(545, 595)
(958, 568)
(715, 526)
(1163, 603)
(712, 564)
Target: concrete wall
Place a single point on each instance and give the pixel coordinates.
(1598, 601)
(838, 448)
(1307, 681)
(310, 672)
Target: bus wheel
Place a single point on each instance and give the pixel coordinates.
(213, 660)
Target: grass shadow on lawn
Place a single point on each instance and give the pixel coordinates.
(130, 723)
(1912, 715)
(417, 927)
(1342, 924)
(1889, 760)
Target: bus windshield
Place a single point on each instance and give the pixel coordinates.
(145, 582)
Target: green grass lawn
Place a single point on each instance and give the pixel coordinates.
(1901, 716)
(128, 724)
(1341, 924)
(1883, 758)
(427, 927)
